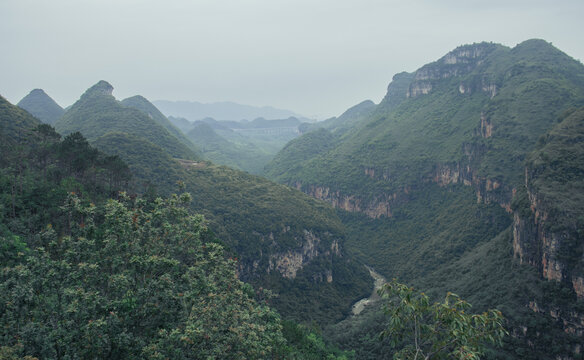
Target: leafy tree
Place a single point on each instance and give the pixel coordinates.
(132, 280)
(440, 330)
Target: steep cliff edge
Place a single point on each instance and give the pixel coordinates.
(548, 230)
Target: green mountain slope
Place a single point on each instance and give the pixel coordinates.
(285, 240)
(88, 276)
(243, 156)
(13, 121)
(42, 106)
(140, 103)
(344, 122)
(437, 174)
(482, 104)
(97, 112)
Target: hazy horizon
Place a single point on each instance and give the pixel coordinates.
(313, 58)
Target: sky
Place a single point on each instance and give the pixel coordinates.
(314, 57)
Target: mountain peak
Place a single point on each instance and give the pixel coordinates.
(101, 88)
(38, 92)
(541, 50)
(466, 54)
(41, 106)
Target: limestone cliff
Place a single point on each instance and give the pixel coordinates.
(536, 242)
(291, 260)
(458, 62)
(379, 207)
(549, 214)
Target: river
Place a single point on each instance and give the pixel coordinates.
(378, 282)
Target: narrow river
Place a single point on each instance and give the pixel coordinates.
(378, 282)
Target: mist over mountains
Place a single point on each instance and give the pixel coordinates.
(193, 111)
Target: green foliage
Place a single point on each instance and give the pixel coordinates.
(15, 124)
(443, 330)
(265, 219)
(139, 281)
(126, 278)
(299, 150)
(306, 343)
(243, 145)
(347, 120)
(480, 117)
(435, 227)
(39, 171)
(257, 220)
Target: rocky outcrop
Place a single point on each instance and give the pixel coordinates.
(288, 263)
(461, 61)
(486, 127)
(379, 207)
(419, 88)
(487, 190)
(535, 243)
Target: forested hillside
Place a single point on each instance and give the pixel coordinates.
(284, 240)
(243, 145)
(97, 112)
(41, 106)
(142, 104)
(92, 271)
(457, 181)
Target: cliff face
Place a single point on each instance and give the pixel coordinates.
(288, 262)
(458, 62)
(376, 208)
(536, 243)
(549, 219)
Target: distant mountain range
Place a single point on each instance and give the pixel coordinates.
(193, 110)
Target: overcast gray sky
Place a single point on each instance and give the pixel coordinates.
(315, 57)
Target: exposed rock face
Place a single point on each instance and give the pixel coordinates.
(460, 61)
(379, 207)
(487, 190)
(287, 263)
(100, 89)
(535, 244)
(419, 88)
(290, 262)
(486, 127)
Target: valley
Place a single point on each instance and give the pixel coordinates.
(378, 282)
(168, 237)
